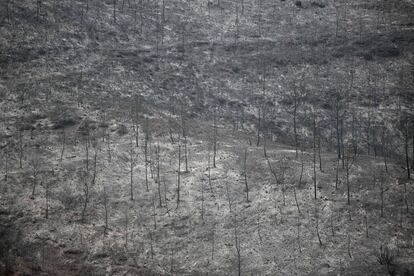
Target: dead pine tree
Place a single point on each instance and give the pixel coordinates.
(131, 167)
(21, 153)
(382, 192)
(35, 164)
(158, 175)
(296, 199)
(106, 211)
(384, 142)
(320, 150)
(95, 163)
(296, 102)
(258, 127)
(179, 174)
(264, 133)
(202, 200)
(246, 186)
(6, 164)
(332, 224)
(8, 12)
(298, 234)
(47, 194)
(154, 213)
(405, 127)
(314, 153)
(184, 133)
(229, 200)
(317, 226)
(86, 193)
(114, 10)
(237, 245)
(147, 137)
(87, 144)
(126, 227)
(108, 144)
(301, 169)
(214, 138)
(348, 161)
(63, 145)
(337, 174)
(338, 119)
(209, 170)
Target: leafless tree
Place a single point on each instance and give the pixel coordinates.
(244, 174)
(314, 153)
(298, 234)
(349, 161)
(146, 160)
(158, 175)
(114, 10)
(35, 164)
(63, 145)
(179, 174)
(214, 138)
(383, 189)
(131, 167)
(237, 245)
(105, 203)
(84, 178)
(202, 200)
(317, 226)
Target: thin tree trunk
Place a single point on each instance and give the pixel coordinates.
(258, 129)
(178, 175)
(158, 175)
(245, 175)
(20, 149)
(214, 139)
(407, 159)
(63, 146)
(314, 154)
(296, 199)
(106, 211)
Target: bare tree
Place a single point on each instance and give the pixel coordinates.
(105, 203)
(314, 153)
(237, 245)
(184, 134)
(108, 143)
(296, 102)
(21, 153)
(179, 174)
(209, 170)
(131, 167)
(63, 145)
(84, 178)
(349, 161)
(258, 127)
(146, 160)
(298, 234)
(202, 200)
(382, 191)
(126, 227)
(158, 176)
(47, 196)
(317, 226)
(35, 164)
(114, 10)
(244, 174)
(214, 138)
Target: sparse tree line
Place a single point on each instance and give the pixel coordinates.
(137, 143)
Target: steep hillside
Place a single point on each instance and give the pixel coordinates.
(193, 137)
